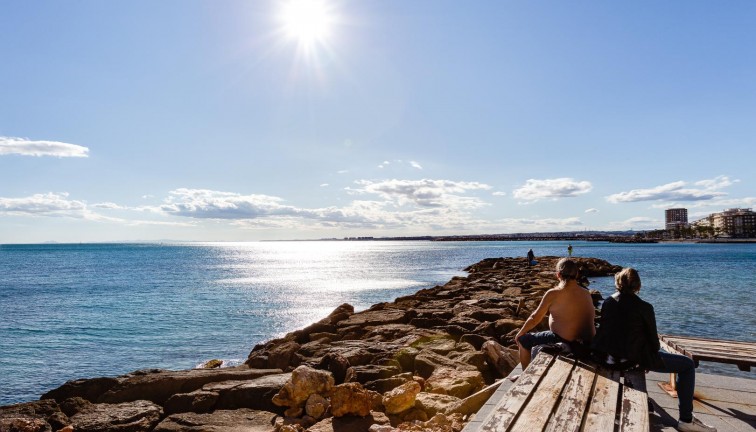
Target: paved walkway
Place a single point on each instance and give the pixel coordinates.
(727, 403)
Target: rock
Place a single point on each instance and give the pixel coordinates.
(350, 399)
(199, 401)
(212, 364)
(351, 423)
(432, 403)
(46, 411)
(377, 317)
(365, 373)
(502, 360)
(24, 424)
(136, 416)
(304, 382)
(89, 389)
(337, 364)
(401, 398)
(459, 383)
(506, 325)
(428, 361)
(316, 406)
(239, 420)
(255, 394)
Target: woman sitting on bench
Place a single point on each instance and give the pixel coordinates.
(627, 338)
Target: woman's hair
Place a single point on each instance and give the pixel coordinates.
(627, 280)
(567, 268)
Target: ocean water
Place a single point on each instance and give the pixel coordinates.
(79, 311)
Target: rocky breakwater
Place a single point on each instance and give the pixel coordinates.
(423, 362)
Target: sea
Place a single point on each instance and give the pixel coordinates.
(70, 311)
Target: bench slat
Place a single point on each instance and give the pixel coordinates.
(569, 415)
(502, 415)
(603, 406)
(536, 413)
(636, 379)
(634, 415)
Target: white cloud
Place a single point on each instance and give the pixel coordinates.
(26, 147)
(203, 203)
(592, 210)
(49, 205)
(324, 185)
(538, 224)
(108, 206)
(423, 193)
(342, 171)
(675, 191)
(384, 164)
(499, 193)
(637, 223)
(535, 190)
(415, 165)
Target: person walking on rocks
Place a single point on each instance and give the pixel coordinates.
(569, 250)
(627, 338)
(531, 258)
(571, 314)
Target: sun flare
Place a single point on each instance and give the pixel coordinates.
(307, 21)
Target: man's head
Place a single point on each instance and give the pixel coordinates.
(567, 269)
(627, 280)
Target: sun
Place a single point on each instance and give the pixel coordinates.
(307, 21)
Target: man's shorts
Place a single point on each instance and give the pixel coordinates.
(529, 340)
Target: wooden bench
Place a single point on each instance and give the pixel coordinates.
(740, 354)
(556, 393)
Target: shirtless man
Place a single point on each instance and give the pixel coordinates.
(570, 310)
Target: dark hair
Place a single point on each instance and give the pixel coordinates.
(567, 268)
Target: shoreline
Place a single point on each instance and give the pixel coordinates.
(434, 349)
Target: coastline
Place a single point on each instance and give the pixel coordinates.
(432, 349)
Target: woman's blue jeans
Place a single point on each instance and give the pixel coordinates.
(686, 381)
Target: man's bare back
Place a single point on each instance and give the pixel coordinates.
(571, 312)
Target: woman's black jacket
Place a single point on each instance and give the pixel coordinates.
(627, 330)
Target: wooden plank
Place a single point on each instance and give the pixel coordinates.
(636, 379)
(603, 404)
(512, 402)
(634, 411)
(575, 397)
(700, 339)
(535, 414)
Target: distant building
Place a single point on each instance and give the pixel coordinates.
(735, 222)
(675, 218)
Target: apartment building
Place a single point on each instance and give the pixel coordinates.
(675, 218)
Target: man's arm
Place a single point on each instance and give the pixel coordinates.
(537, 315)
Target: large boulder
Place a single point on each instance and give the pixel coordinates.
(458, 383)
(31, 415)
(401, 398)
(350, 399)
(238, 420)
(350, 423)
(433, 403)
(304, 382)
(136, 416)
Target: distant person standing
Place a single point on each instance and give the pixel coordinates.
(531, 258)
(569, 250)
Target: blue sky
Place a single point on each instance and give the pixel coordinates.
(206, 120)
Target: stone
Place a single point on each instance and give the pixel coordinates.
(199, 401)
(255, 394)
(304, 382)
(351, 423)
(502, 360)
(136, 416)
(365, 373)
(239, 420)
(212, 364)
(155, 386)
(350, 399)
(506, 325)
(428, 361)
(432, 403)
(46, 410)
(377, 317)
(337, 364)
(316, 406)
(24, 424)
(459, 383)
(401, 398)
